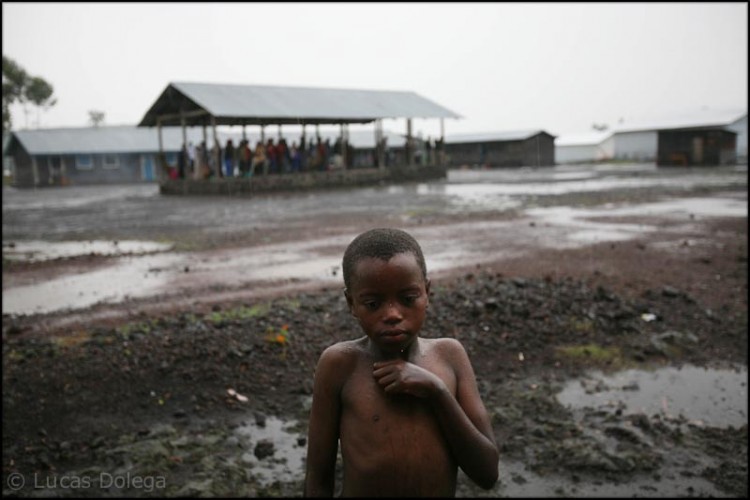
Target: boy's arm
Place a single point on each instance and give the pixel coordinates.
(463, 418)
(465, 422)
(323, 429)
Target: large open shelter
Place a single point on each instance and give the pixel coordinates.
(210, 104)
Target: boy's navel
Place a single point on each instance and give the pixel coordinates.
(375, 418)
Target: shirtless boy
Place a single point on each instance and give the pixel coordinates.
(406, 409)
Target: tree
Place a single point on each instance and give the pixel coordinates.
(14, 82)
(19, 86)
(39, 93)
(96, 117)
(6, 118)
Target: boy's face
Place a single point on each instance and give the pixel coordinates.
(390, 300)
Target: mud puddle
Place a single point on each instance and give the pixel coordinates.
(128, 277)
(701, 396)
(36, 251)
(515, 480)
(277, 449)
(596, 225)
(684, 399)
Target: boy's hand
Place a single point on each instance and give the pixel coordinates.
(400, 377)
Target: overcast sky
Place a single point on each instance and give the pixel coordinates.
(559, 67)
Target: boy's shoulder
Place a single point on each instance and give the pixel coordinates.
(443, 344)
(345, 349)
(338, 361)
(440, 340)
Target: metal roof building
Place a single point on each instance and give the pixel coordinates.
(127, 153)
(89, 155)
(98, 140)
(516, 148)
(513, 135)
(642, 140)
(699, 119)
(639, 140)
(199, 103)
(132, 139)
(211, 104)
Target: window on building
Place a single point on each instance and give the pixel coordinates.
(84, 162)
(111, 161)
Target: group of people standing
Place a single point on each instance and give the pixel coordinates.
(275, 156)
(272, 157)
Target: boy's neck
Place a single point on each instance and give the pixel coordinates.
(406, 353)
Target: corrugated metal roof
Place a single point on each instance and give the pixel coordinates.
(96, 140)
(514, 135)
(264, 104)
(702, 118)
(131, 139)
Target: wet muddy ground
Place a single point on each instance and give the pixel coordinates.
(604, 309)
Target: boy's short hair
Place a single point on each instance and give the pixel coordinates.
(380, 243)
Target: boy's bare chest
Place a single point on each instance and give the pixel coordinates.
(394, 436)
(365, 399)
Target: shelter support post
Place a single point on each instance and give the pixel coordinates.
(217, 159)
(161, 140)
(441, 153)
(162, 167)
(184, 150)
(377, 144)
(184, 132)
(35, 170)
(343, 141)
(383, 144)
(408, 146)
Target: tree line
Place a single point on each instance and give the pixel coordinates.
(21, 87)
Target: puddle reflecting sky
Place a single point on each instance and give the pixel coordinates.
(287, 461)
(716, 398)
(128, 277)
(518, 481)
(34, 251)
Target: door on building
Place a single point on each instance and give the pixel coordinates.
(697, 150)
(147, 168)
(55, 176)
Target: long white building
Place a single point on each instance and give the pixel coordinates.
(640, 141)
